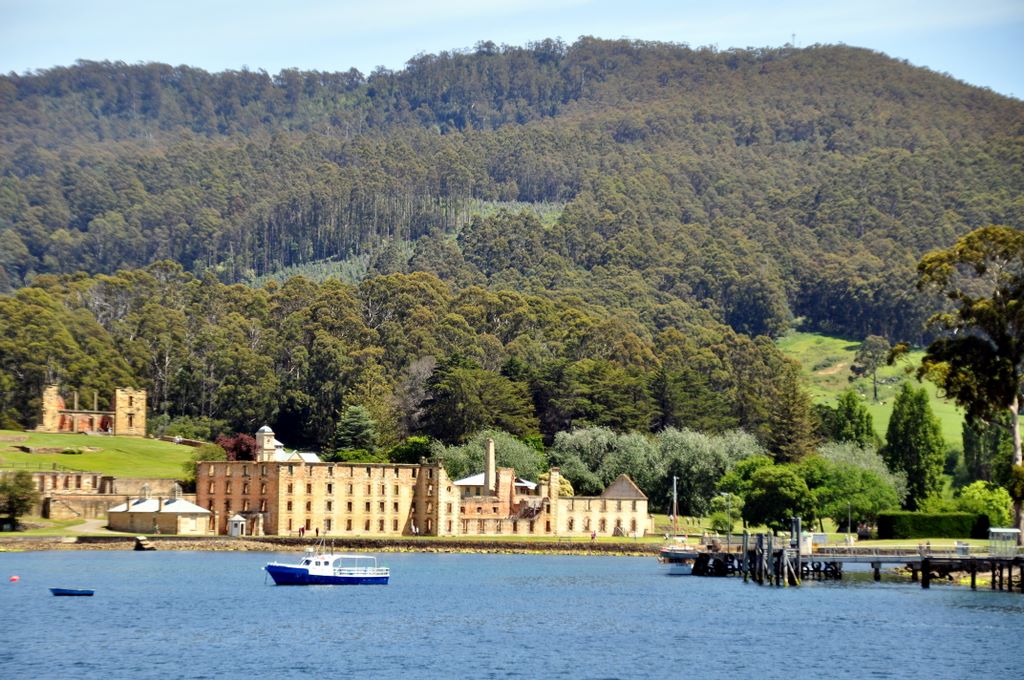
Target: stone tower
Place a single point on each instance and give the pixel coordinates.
(130, 412)
(53, 404)
(265, 444)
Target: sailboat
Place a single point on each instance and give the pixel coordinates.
(677, 556)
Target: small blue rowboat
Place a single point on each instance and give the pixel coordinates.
(79, 592)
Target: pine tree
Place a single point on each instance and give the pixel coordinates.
(355, 430)
(791, 424)
(914, 445)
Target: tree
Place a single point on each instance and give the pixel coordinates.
(978, 361)
(986, 498)
(872, 354)
(777, 493)
(914, 445)
(239, 446)
(18, 494)
(849, 421)
(988, 449)
(791, 425)
(847, 492)
(355, 430)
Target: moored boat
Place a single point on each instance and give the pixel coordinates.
(678, 559)
(319, 568)
(73, 592)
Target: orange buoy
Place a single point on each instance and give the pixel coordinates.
(15, 579)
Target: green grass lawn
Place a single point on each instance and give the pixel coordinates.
(118, 456)
(826, 362)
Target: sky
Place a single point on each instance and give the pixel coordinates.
(980, 42)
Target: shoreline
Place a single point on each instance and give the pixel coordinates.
(289, 544)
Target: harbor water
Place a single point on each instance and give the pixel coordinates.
(215, 615)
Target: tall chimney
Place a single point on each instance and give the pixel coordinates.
(489, 469)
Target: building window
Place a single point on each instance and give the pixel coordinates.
(309, 488)
(348, 506)
(227, 505)
(288, 506)
(263, 505)
(430, 525)
(245, 489)
(348, 525)
(430, 506)
(308, 525)
(263, 470)
(396, 489)
(367, 506)
(382, 506)
(449, 525)
(531, 526)
(495, 510)
(618, 505)
(330, 506)
(289, 524)
(395, 506)
(350, 488)
(396, 471)
(479, 509)
(586, 524)
(211, 487)
(569, 525)
(448, 508)
(515, 527)
(480, 526)
(330, 488)
(227, 487)
(309, 506)
(245, 505)
(547, 526)
(366, 525)
(263, 489)
(368, 473)
(330, 470)
(383, 490)
(430, 473)
(245, 470)
(212, 470)
(369, 490)
(632, 525)
(327, 525)
(291, 469)
(394, 525)
(497, 526)
(290, 489)
(601, 525)
(634, 506)
(414, 472)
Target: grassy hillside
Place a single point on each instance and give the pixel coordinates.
(118, 456)
(826, 363)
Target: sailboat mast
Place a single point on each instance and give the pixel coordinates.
(675, 509)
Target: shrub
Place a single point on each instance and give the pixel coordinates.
(901, 524)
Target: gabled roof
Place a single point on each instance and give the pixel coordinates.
(623, 488)
(175, 505)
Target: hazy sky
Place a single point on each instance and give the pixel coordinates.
(981, 41)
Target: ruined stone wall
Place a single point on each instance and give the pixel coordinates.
(130, 412)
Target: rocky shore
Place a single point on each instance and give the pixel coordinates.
(287, 544)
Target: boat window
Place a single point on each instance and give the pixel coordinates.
(305, 561)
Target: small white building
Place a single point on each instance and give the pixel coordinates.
(145, 515)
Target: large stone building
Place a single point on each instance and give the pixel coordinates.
(287, 493)
(127, 416)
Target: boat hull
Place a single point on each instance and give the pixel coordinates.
(71, 592)
(285, 575)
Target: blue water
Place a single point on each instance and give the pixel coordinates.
(211, 615)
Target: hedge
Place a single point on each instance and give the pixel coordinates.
(898, 524)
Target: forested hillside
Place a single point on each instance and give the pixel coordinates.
(758, 185)
(531, 239)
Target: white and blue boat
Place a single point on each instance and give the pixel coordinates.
(329, 569)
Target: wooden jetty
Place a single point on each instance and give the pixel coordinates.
(772, 560)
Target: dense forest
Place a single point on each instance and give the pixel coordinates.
(758, 185)
(589, 247)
